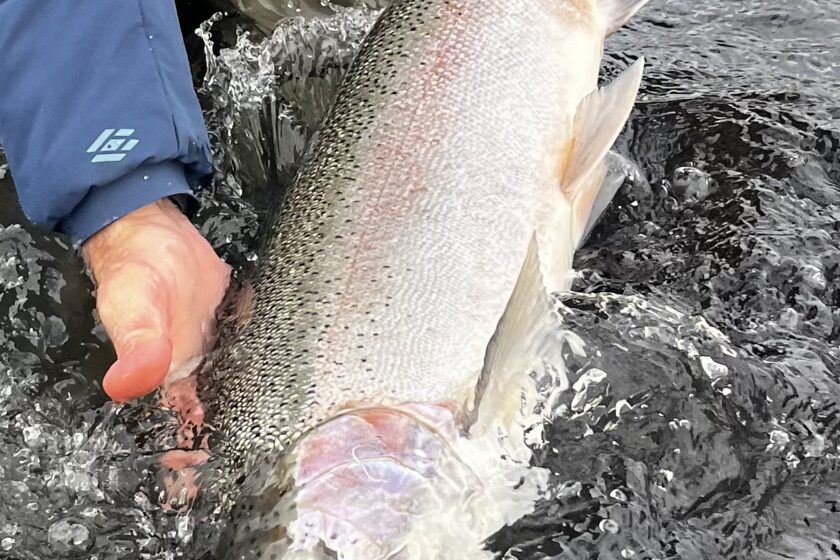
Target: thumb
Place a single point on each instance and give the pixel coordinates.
(133, 303)
(141, 366)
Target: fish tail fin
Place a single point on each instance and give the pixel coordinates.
(615, 13)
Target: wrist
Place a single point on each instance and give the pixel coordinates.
(119, 235)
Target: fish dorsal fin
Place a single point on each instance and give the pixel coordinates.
(599, 119)
(615, 13)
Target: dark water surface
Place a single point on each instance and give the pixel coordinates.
(703, 422)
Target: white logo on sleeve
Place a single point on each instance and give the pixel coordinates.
(112, 145)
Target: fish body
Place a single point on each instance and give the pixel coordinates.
(407, 277)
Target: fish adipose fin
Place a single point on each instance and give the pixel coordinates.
(615, 13)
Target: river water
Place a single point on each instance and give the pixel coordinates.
(703, 421)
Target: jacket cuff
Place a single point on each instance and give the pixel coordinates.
(105, 204)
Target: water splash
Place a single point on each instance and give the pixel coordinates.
(267, 13)
(269, 94)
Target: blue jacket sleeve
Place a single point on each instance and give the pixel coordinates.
(98, 116)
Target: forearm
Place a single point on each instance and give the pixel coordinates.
(98, 115)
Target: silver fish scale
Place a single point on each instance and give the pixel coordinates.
(400, 242)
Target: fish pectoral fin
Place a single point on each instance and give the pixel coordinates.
(599, 119)
(615, 13)
(526, 336)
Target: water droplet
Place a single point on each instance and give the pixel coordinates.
(622, 406)
(788, 319)
(815, 447)
(669, 475)
(64, 535)
(569, 490)
(590, 389)
(813, 277)
(628, 553)
(608, 526)
(7, 543)
(693, 184)
(32, 435)
(778, 440)
(184, 528)
(712, 368)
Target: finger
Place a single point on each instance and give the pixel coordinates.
(182, 396)
(181, 484)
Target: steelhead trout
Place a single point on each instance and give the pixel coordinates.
(405, 289)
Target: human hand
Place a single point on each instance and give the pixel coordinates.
(158, 285)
